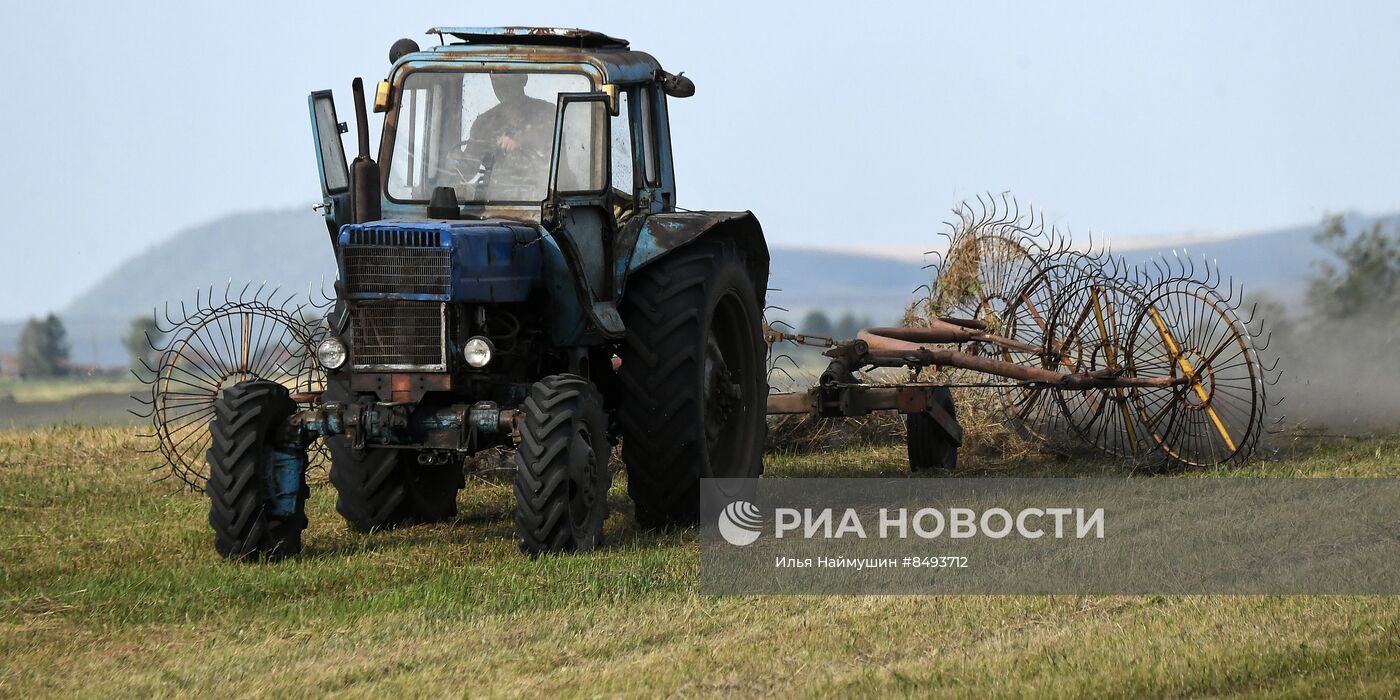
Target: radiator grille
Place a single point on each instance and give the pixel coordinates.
(400, 335)
(379, 269)
(396, 237)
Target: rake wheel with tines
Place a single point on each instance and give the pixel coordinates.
(222, 340)
(1088, 332)
(1188, 330)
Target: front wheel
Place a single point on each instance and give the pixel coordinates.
(561, 467)
(257, 485)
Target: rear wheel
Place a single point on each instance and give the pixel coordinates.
(379, 488)
(561, 467)
(257, 485)
(693, 384)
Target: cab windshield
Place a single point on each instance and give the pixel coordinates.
(488, 136)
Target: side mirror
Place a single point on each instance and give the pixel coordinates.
(677, 85)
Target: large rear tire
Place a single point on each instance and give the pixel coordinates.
(254, 513)
(380, 488)
(693, 379)
(561, 467)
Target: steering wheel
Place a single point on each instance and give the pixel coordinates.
(468, 168)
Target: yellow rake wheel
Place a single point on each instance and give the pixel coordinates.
(1214, 417)
(1033, 412)
(1089, 333)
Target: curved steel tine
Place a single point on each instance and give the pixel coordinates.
(786, 374)
(272, 297)
(789, 358)
(1253, 309)
(156, 315)
(144, 364)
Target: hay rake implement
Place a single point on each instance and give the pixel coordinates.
(1074, 345)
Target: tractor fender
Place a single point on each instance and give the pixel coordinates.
(659, 234)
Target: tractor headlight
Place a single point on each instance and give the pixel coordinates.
(331, 353)
(477, 351)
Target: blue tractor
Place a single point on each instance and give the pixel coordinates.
(513, 271)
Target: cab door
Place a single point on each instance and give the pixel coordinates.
(578, 209)
(330, 157)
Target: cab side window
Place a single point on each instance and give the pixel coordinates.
(622, 170)
(648, 118)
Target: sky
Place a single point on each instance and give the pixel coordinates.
(847, 125)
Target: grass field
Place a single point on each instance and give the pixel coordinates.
(62, 389)
(109, 586)
(75, 401)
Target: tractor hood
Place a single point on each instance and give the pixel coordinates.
(491, 261)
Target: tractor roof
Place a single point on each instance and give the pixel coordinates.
(530, 36)
(611, 55)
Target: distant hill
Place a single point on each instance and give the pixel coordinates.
(290, 249)
(287, 248)
(1274, 264)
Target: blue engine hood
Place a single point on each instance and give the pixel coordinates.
(491, 261)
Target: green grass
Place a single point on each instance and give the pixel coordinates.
(64, 388)
(109, 586)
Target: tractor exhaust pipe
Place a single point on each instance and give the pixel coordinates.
(364, 172)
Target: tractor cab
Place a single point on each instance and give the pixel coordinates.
(507, 122)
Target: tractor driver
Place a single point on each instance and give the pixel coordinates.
(511, 142)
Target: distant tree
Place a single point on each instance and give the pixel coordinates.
(140, 334)
(43, 348)
(1366, 276)
(849, 325)
(815, 323)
